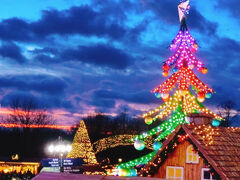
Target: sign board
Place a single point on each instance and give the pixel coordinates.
(66, 162)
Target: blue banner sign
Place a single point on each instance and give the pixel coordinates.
(66, 162)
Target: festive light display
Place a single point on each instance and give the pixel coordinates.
(215, 122)
(183, 78)
(142, 160)
(182, 138)
(118, 140)
(183, 102)
(50, 126)
(127, 172)
(165, 128)
(122, 172)
(157, 145)
(148, 120)
(112, 141)
(206, 132)
(147, 171)
(185, 99)
(95, 173)
(82, 147)
(18, 167)
(153, 166)
(184, 47)
(139, 145)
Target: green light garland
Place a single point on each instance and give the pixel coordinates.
(166, 127)
(142, 160)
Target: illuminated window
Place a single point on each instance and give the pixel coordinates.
(206, 175)
(192, 156)
(174, 173)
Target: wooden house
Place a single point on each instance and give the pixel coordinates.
(198, 151)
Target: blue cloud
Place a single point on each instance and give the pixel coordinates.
(100, 55)
(15, 29)
(231, 5)
(197, 21)
(42, 101)
(140, 97)
(8, 100)
(42, 84)
(103, 103)
(76, 20)
(11, 50)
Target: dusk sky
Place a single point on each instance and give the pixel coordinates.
(77, 57)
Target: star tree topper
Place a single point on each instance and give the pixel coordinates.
(183, 9)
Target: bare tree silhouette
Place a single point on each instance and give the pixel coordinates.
(227, 109)
(27, 111)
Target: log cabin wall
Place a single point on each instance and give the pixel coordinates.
(178, 158)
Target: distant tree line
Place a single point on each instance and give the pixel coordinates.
(28, 111)
(28, 142)
(101, 125)
(31, 142)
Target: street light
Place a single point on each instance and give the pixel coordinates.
(60, 148)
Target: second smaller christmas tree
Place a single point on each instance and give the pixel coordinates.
(82, 147)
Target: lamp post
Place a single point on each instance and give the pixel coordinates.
(60, 148)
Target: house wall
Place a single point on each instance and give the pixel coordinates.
(178, 158)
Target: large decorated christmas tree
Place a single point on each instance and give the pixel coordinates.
(189, 93)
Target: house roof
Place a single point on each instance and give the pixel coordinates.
(224, 153)
(220, 146)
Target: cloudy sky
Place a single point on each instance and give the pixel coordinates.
(80, 57)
